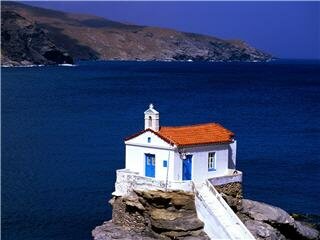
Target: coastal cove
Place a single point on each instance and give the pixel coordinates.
(63, 130)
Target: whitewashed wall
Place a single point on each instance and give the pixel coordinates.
(200, 162)
(137, 148)
(127, 181)
(232, 155)
(143, 140)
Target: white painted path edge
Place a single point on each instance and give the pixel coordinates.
(220, 222)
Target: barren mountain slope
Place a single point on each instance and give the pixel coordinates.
(91, 37)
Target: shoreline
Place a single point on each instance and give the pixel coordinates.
(39, 65)
(79, 63)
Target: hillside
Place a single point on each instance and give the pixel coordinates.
(85, 37)
(25, 43)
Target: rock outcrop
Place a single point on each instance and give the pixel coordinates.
(87, 37)
(171, 215)
(109, 231)
(232, 194)
(272, 223)
(153, 215)
(264, 221)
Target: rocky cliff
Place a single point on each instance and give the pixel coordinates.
(171, 215)
(268, 222)
(153, 215)
(89, 37)
(264, 221)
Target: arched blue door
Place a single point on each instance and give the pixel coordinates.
(187, 168)
(150, 165)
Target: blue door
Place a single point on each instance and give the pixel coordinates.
(186, 168)
(150, 165)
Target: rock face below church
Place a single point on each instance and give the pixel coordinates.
(152, 215)
(264, 221)
(148, 215)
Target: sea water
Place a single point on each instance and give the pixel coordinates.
(63, 130)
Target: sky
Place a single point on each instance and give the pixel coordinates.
(284, 29)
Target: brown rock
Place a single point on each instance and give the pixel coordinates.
(167, 215)
(110, 231)
(184, 223)
(162, 199)
(163, 214)
(134, 203)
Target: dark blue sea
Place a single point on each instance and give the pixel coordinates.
(63, 131)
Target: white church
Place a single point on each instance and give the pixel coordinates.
(193, 158)
(195, 152)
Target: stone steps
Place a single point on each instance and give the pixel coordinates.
(220, 215)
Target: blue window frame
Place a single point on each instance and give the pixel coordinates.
(211, 161)
(165, 163)
(149, 139)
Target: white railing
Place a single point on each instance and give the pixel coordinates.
(128, 180)
(212, 224)
(230, 212)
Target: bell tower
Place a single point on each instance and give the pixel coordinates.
(151, 118)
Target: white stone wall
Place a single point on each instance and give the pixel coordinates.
(232, 155)
(137, 148)
(200, 162)
(233, 176)
(142, 140)
(128, 180)
(135, 161)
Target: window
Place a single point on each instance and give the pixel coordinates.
(211, 161)
(149, 139)
(165, 163)
(150, 122)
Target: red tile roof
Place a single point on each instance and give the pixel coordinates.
(201, 134)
